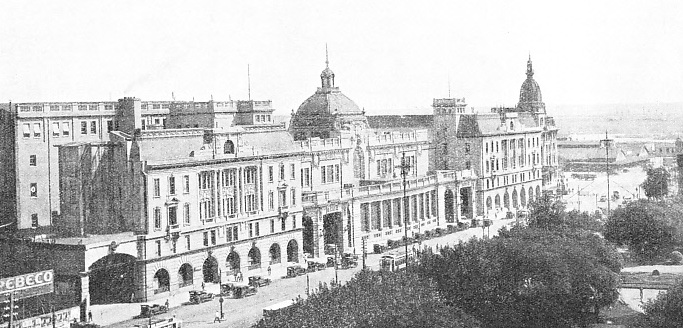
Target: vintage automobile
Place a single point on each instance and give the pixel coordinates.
(199, 296)
(258, 281)
(316, 264)
(238, 289)
(295, 270)
(148, 310)
(349, 260)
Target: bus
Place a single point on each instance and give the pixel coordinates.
(396, 261)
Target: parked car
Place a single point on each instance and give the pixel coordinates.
(148, 310)
(603, 198)
(238, 289)
(349, 261)
(316, 264)
(258, 281)
(199, 296)
(295, 270)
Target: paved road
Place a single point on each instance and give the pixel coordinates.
(247, 311)
(585, 195)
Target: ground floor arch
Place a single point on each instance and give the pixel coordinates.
(333, 229)
(489, 203)
(254, 258)
(293, 251)
(210, 270)
(308, 236)
(233, 262)
(162, 281)
(522, 197)
(497, 201)
(275, 256)
(515, 199)
(531, 194)
(538, 191)
(506, 200)
(112, 279)
(185, 275)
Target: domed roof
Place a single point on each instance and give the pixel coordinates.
(530, 98)
(326, 101)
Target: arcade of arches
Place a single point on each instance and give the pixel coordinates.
(521, 199)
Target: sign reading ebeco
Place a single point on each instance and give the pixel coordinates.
(27, 285)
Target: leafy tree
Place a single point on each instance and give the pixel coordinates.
(374, 299)
(648, 228)
(666, 311)
(546, 213)
(656, 185)
(528, 277)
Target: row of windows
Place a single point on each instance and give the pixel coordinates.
(262, 118)
(513, 143)
(64, 108)
(156, 106)
(292, 172)
(511, 179)
(210, 237)
(282, 198)
(62, 129)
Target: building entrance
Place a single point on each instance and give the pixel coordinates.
(111, 279)
(210, 270)
(333, 231)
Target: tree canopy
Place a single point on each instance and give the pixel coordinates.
(666, 311)
(647, 228)
(374, 299)
(528, 277)
(656, 185)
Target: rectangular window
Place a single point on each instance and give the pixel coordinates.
(54, 108)
(323, 177)
(330, 173)
(158, 242)
(84, 127)
(157, 188)
(270, 174)
(283, 224)
(467, 148)
(206, 238)
(186, 184)
(82, 107)
(171, 185)
(55, 129)
(213, 237)
(251, 230)
(336, 172)
(271, 200)
(293, 221)
(250, 175)
(306, 177)
(272, 225)
(186, 214)
(92, 107)
(110, 126)
(292, 173)
(34, 190)
(32, 161)
(282, 171)
(258, 230)
(93, 127)
(293, 197)
(173, 216)
(235, 233)
(66, 128)
(36, 130)
(187, 242)
(157, 218)
(108, 107)
(27, 130)
(34, 220)
(282, 201)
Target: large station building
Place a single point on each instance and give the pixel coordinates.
(176, 194)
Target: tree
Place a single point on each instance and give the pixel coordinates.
(546, 213)
(528, 277)
(666, 311)
(656, 185)
(374, 299)
(649, 229)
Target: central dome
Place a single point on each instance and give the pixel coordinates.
(530, 98)
(325, 102)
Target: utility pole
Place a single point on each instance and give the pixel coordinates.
(404, 171)
(607, 143)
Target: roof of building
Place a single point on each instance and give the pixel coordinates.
(270, 142)
(328, 101)
(584, 154)
(400, 121)
(530, 91)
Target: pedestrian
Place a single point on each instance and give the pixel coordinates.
(203, 286)
(166, 304)
(89, 315)
(269, 270)
(217, 317)
(235, 274)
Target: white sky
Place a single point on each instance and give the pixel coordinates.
(388, 56)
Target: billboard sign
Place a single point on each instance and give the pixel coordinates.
(27, 285)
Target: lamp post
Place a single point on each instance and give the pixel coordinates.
(221, 300)
(404, 171)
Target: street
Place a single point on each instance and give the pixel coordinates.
(247, 311)
(584, 195)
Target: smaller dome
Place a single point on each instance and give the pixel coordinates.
(327, 73)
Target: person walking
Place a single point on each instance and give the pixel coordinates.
(203, 286)
(166, 304)
(89, 315)
(217, 317)
(269, 270)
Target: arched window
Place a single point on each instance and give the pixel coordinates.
(229, 147)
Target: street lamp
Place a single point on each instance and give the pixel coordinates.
(221, 300)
